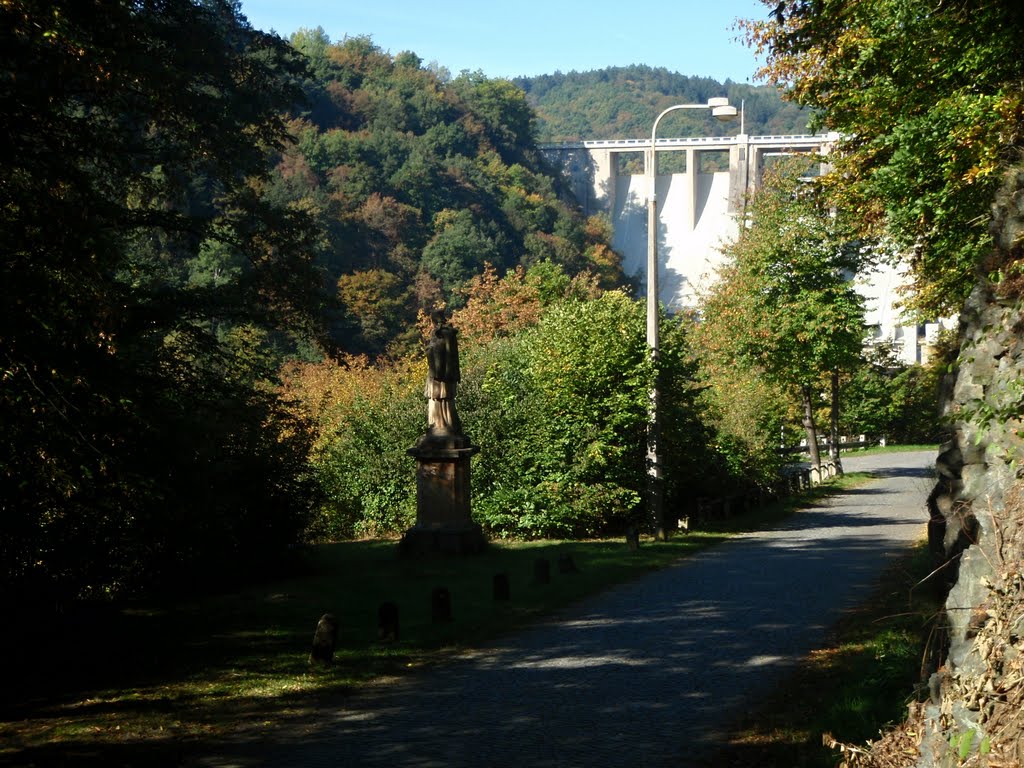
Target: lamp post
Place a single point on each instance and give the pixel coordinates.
(721, 109)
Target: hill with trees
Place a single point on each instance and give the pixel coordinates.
(622, 103)
(418, 181)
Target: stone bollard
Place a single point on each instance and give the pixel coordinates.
(633, 538)
(440, 605)
(324, 640)
(541, 571)
(502, 589)
(387, 623)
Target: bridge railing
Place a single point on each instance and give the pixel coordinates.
(803, 139)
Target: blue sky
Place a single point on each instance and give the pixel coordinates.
(532, 37)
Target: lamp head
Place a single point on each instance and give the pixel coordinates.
(724, 113)
(720, 108)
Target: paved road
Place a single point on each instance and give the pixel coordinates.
(648, 674)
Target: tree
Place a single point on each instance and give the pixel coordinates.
(143, 278)
(568, 398)
(785, 303)
(369, 414)
(886, 398)
(930, 106)
(507, 120)
(459, 249)
(313, 44)
(498, 307)
(379, 301)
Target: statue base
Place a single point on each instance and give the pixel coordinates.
(444, 541)
(443, 522)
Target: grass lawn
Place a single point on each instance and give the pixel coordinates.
(140, 683)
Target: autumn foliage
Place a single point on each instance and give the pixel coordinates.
(930, 106)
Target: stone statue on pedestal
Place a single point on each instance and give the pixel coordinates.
(443, 521)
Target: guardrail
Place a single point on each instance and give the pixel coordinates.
(826, 447)
(791, 482)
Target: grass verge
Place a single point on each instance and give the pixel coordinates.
(876, 449)
(145, 682)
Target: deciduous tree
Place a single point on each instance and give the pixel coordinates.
(141, 269)
(785, 302)
(929, 104)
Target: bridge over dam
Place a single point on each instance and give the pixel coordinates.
(702, 185)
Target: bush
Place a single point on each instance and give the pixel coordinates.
(885, 397)
(368, 415)
(559, 410)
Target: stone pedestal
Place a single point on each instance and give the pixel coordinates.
(443, 522)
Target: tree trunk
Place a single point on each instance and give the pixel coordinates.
(834, 451)
(812, 431)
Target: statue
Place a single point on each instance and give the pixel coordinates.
(442, 379)
(444, 523)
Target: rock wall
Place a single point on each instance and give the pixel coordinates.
(974, 713)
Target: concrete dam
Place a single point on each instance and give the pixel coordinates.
(702, 185)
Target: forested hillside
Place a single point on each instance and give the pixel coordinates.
(622, 103)
(419, 180)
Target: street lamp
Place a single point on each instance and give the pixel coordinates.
(721, 109)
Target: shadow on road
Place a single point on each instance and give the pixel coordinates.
(926, 472)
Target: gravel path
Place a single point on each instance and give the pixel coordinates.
(648, 674)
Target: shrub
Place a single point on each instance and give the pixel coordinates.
(368, 416)
(566, 408)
